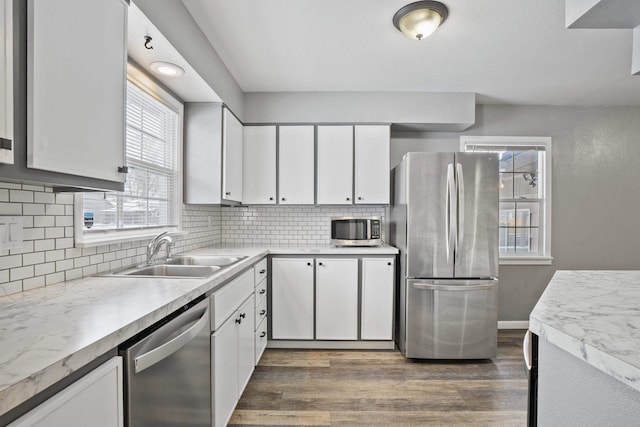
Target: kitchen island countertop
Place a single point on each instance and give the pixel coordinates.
(48, 333)
(595, 316)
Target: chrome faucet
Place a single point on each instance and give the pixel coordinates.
(156, 243)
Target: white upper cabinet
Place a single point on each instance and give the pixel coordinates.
(335, 165)
(296, 165)
(372, 168)
(231, 157)
(6, 81)
(76, 75)
(259, 167)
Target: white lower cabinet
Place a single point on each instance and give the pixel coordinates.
(224, 349)
(377, 299)
(232, 344)
(94, 400)
(292, 298)
(337, 299)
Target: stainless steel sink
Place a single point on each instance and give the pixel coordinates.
(209, 260)
(177, 271)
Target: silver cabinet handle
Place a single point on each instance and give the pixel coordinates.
(460, 182)
(526, 350)
(154, 356)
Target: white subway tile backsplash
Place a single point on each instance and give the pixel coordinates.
(32, 283)
(20, 196)
(11, 209)
(49, 256)
(44, 198)
(21, 273)
(54, 209)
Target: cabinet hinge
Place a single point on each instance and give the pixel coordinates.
(123, 169)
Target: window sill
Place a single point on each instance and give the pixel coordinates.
(515, 260)
(112, 237)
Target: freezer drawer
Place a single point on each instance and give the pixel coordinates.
(451, 319)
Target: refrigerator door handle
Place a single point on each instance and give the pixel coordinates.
(460, 193)
(450, 214)
(432, 287)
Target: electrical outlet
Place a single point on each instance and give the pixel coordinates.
(11, 232)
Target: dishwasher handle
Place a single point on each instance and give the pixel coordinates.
(165, 350)
(526, 351)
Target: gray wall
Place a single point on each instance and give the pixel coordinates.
(596, 196)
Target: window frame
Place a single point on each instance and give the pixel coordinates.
(521, 258)
(102, 237)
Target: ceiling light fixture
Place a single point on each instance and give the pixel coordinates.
(420, 19)
(167, 69)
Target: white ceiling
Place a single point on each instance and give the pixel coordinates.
(506, 51)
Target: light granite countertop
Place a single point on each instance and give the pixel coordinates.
(48, 333)
(595, 316)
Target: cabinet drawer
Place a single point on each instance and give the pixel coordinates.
(261, 291)
(261, 311)
(261, 339)
(228, 299)
(260, 270)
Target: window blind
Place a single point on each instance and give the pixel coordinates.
(149, 198)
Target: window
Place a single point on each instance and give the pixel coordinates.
(525, 195)
(150, 201)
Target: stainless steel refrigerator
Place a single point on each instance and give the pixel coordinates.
(444, 220)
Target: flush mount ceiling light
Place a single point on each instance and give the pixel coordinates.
(167, 69)
(420, 19)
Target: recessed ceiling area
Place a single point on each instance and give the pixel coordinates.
(505, 51)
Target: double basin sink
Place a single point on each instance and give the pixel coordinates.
(195, 266)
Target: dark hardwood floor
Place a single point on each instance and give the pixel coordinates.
(381, 388)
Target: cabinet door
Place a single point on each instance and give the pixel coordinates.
(231, 157)
(224, 349)
(296, 165)
(372, 168)
(377, 298)
(246, 343)
(6, 78)
(259, 167)
(76, 74)
(337, 299)
(335, 165)
(292, 298)
(94, 400)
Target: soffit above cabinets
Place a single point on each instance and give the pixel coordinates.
(189, 87)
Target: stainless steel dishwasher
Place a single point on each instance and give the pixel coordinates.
(168, 371)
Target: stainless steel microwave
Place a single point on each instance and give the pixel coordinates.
(352, 231)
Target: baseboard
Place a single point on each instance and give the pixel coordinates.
(332, 345)
(513, 324)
